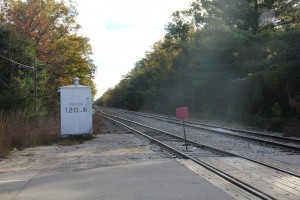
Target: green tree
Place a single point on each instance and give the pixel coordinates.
(17, 80)
(223, 59)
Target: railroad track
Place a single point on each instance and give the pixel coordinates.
(262, 180)
(269, 139)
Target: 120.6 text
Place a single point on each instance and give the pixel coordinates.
(75, 109)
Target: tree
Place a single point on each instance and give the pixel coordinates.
(42, 20)
(52, 27)
(71, 58)
(224, 60)
(16, 80)
(245, 15)
(179, 29)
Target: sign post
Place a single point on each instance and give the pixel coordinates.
(182, 113)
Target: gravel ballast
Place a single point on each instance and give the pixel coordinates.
(235, 145)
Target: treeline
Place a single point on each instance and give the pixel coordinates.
(234, 60)
(40, 51)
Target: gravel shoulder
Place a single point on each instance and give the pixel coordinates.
(115, 146)
(117, 158)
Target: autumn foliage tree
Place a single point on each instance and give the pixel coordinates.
(51, 28)
(42, 21)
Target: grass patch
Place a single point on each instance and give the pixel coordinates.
(75, 139)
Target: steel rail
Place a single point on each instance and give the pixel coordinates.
(222, 152)
(188, 124)
(176, 121)
(175, 136)
(227, 177)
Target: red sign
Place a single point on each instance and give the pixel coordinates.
(182, 113)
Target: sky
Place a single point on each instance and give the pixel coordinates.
(121, 32)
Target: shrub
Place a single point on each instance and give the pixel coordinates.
(18, 130)
(276, 111)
